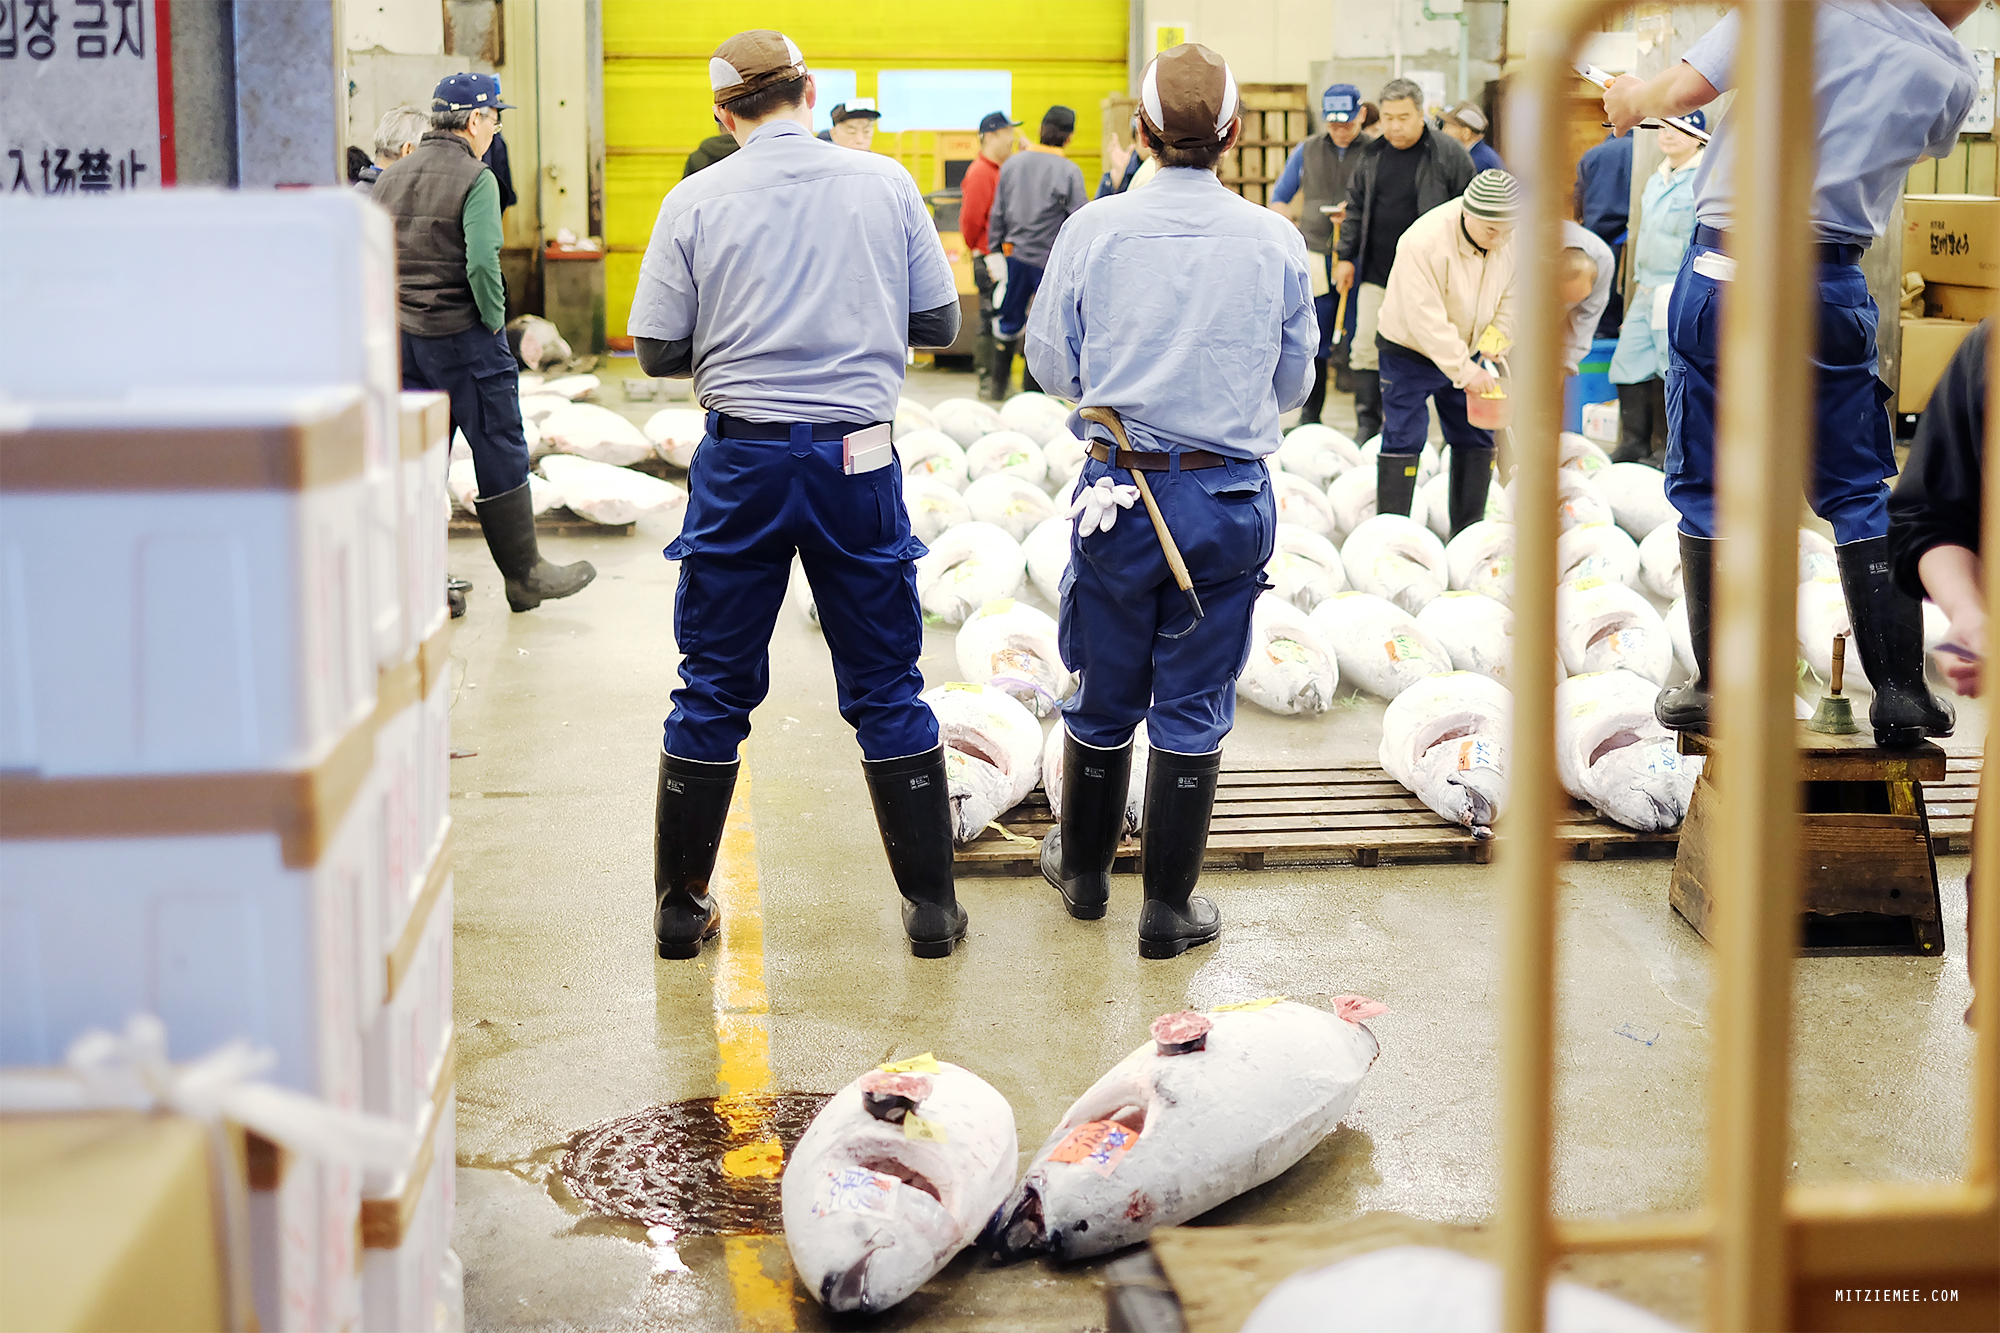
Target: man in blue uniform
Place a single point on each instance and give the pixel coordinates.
(1320, 167)
(1188, 311)
(1467, 124)
(799, 377)
(1890, 85)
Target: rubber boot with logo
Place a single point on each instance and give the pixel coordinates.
(1180, 800)
(1077, 854)
(913, 812)
(689, 812)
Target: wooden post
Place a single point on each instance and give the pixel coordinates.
(1765, 400)
(1983, 955)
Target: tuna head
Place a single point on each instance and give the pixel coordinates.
(870, 1263)
(1641, 783)
(1463, 780)
(978, 788)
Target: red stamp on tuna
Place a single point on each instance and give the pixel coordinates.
(1098, 1145)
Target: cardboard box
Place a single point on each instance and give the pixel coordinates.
(1971, 304)
(1952, 238)
(1928, 345)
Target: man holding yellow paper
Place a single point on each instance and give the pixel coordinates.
(1447, 312)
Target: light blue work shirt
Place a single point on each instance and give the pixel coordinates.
(1184, 307)
(1666, 223)
(1890, 85)
(794, 265)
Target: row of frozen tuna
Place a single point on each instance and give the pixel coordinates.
(915, 1160)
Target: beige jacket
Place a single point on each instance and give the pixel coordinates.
(1444, 293)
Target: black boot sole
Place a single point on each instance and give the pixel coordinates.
(1173, 948)
(682, 950)
(1902, 738)
(935, 948)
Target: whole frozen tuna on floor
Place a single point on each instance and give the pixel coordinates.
(1007, 453)
(1430, 459)
(1379, 646)
(1396, 558)
(573, 387)
(933, 454)
(676, 432)
(1601, 626)
(462, 482)
(1475, 630)
(967, 567)
(1445, 739)
(1135, 788)
(1163, 1138)
(993, 753)
(1351, 496)
(1302, 504)
(1822, 616)
(1064, 454)
(966, 419)
(1677, 633)
(1816, 557)
(1035, 415)
(894, 1176)
(606, 494)
(911, 417)
(1008, 503)
(1305, 567)
(1580, 453)
(1047, 550)
(1578, 500)
(935, 508)
(1660, 561)
(1318, 453)
(1292, 669)
(1637, 495)
(1434, 497)
(596, 433)
(1612, 752)
(1481, 559)
(1011, 646)
(1597, 549)
(1419, 1289)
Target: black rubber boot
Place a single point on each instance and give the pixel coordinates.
(1395, 482)
(1316, 400)
(454, 595)
(1471, 481)
(689, 812)
(1889, 632)
(1343, 378)
(1685, 707)
(1180, 799)
(1002, 373)
(1077, 854)
(982, 360)
(1367, 405)
(509, 524)
(1635, 423)
(913, 811)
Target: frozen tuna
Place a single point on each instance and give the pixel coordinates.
(1011, 646)
(1430, 460)
(1582, 454)
(1047, 550)
(894, 1176)
(1445, 738)
(1304, 568)
(573, 387)
(1379, 646)
(1660, 560)
(1612, 752)
(1578, 501)
(1601, 550)
(1035, 415)
(1007, 453)
(1318, 453)
(1135, 788)
(1351, 495)
(966, 419)
(1396, 558)
(911, 417)
(935, 508)
(463, 485)
(1163, 1138)
(1292, 669)
(537, 406)
(1637, 495)
(1481, 559)
(967, 567)
(1601, 626)
(933, 454)
(1475, 630)
(1822, 616)
(1064, 454)
(1009, 503)
(1677, 631)
(1301, 503)
(676, 432)
(993, 753)
(1434, 497)
(1816, 557)
(606, 494)
(596, 433)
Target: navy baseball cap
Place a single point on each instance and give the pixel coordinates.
(470, 92)
(1340, 103)
(996, 120)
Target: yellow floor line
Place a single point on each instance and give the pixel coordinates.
(743, 1065)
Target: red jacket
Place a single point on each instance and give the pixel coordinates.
(981, 179)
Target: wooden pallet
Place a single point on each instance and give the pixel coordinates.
(1342, 812)
(562, 521)
(1949, 803)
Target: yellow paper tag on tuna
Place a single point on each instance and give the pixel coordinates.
(999, 606)
(964, 686)
(1248, 1006)
(1585, 585)
(913, 1128)
(916, 1064)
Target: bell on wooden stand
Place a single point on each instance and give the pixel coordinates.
(1835, 714)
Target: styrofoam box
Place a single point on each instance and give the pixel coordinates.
(403, 1049)
(149, 631)
(279, 289)
(412, 798)
(426, 508)
(213, 932)
(434, 772)
(400, 1287)
(302, 1248)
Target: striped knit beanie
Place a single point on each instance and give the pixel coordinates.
(1494, 196)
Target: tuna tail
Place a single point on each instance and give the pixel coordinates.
(1016, 1229)
(848, 1290)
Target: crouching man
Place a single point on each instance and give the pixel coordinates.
(1188, 312)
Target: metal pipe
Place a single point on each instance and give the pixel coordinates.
(1464, 46)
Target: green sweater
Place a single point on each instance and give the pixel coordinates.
(481, 221)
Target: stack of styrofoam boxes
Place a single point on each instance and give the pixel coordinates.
(223, 741)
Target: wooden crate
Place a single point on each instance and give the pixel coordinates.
(1949, 802)
(1343, 812)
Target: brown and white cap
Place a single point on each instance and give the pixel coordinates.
(753, 60)
(1188, 97)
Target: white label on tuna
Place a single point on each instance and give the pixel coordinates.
(855, 1189)
(1478, 754)
(1662, 759)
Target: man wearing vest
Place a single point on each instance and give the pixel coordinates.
(452, 306)
(1320, 167)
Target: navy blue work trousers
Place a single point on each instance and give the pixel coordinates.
(477, 369)
(1409, 383)
(751, 505)
(1023, 281)
(1120, 602)
(1852, 455)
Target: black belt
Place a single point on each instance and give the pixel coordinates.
(1827, 252)
(1149, 461)
(735, 428)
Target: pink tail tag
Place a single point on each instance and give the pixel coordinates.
(1354, 1008)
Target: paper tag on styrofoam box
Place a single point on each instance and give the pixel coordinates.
(855, 1189)
(1098, 1145)
(1478, 754)
(916, 1064)
(1248, 1006)
(928, 1130)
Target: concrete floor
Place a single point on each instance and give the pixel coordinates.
(566, 1018)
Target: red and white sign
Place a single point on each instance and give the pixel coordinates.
(86, 96)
